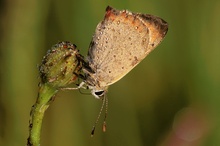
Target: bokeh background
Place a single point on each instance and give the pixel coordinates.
(172, 98)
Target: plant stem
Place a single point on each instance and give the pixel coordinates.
(44, 99)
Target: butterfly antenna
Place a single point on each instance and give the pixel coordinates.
(100, 112)
(106, 112)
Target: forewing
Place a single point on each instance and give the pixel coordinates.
(121, 41)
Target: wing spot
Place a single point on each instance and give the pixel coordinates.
(135, 61)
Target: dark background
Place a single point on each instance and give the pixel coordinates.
(171, 98)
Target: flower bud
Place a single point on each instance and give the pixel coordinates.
(61, 66)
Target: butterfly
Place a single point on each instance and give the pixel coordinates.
(121, 41)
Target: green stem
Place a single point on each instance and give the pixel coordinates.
(44, 99)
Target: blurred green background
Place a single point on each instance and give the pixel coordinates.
(171, 98)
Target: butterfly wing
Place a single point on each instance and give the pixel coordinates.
(120, 42)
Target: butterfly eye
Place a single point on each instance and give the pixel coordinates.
(99, 93)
